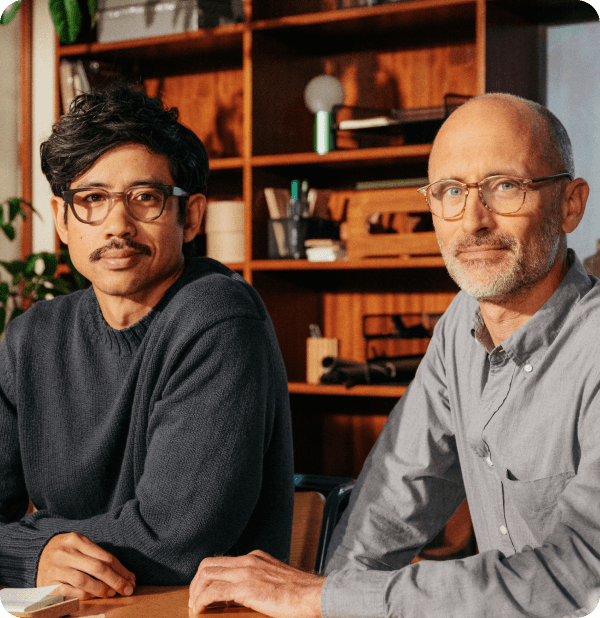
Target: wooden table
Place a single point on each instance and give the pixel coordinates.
(154, 602)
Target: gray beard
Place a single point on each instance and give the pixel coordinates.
(526, 263)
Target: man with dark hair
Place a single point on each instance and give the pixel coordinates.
(504, 409)
(147, 417)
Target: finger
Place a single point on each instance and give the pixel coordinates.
(78, 584)
(89, 558)
(217, 591)
(70, 592)
(95, 551)
(86, 574)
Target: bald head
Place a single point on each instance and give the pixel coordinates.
(549, 141)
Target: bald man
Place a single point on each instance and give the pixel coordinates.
(504, 409)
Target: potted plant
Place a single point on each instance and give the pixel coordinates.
(33, 279)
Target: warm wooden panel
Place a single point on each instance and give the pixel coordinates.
(334, 434)
(349, 439)
(416, 75)
(343, 312)
(210, 103)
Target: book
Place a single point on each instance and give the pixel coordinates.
(22, 600)
(277, 201)
(67, 85)
(367, 123)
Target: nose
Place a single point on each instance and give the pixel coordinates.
(118, 221)
(476, 216)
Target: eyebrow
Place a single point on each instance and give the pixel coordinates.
(136, 183)
(494, 173)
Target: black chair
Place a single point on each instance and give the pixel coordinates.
(335, 493)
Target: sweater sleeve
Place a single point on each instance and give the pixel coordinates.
(19, 545)
(208, 438)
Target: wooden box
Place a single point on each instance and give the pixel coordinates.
(389, 223)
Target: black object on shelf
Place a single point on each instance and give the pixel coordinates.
(395, 334)
(413, 126)
(287, 236)
(396, 371)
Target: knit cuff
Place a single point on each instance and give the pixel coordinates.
(20, 549)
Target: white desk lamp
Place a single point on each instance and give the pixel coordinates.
(321, 94)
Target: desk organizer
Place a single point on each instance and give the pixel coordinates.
(389, 223)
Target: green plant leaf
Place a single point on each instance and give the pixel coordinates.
(15, 267)
(4, 293)
(93, 8)
(31, 262)
(50, 264)
(15, 209)
(66, 16)
(9, 13)
(9, 230)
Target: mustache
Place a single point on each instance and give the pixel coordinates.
(121, 243)
(498, 241)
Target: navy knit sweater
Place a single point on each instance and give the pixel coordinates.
(163, 443)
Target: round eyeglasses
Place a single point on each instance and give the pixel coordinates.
(143, 203)
(503, 195)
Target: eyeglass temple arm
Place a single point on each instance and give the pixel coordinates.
(561, 175)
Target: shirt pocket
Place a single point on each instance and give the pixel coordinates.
(535, 501)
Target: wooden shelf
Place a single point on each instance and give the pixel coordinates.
(418, 152)
(230, 163)
(380, 19)
(360, 390)
(365, 264)
(222, 38)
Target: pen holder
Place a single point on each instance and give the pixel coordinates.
(287, 236)
(318, 348)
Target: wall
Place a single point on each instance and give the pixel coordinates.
(9, 125)
(43, 119)
(573, 94)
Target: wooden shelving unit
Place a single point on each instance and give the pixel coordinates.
(240, 88)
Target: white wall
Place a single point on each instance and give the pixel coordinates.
(573, 94)
(9, 126)
(43, 119)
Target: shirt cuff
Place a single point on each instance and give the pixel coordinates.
(354, 594)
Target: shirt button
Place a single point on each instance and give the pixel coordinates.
(528, 368)
(489, 461)
(504, 530)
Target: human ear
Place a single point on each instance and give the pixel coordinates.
(574, 201)
(58, 212)
(196, 205)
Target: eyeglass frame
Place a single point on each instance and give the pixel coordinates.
(167, 191)
(479, 185)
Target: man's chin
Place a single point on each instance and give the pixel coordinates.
(485, 280)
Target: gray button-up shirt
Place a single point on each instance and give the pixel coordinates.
(517, 431)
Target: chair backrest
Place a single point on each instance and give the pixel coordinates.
(336, 503)
(306, 529)
(318, 504)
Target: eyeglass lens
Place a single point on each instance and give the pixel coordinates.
(502, 194)
(142, 203)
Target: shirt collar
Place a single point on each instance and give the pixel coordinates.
(541, 329)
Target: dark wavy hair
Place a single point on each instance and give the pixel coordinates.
(103, 120)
